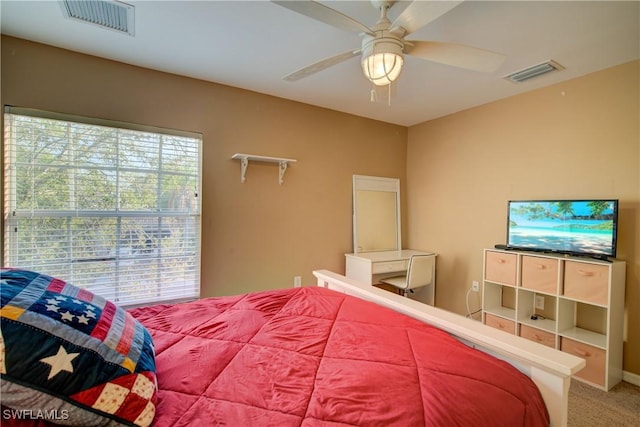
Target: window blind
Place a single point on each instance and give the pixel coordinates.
(111, 209)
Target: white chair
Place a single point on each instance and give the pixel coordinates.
(419, 273)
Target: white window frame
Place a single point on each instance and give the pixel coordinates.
(148, 275)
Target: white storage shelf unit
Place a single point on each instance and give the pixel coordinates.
(572, 304)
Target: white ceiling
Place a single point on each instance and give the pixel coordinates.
(252, 44)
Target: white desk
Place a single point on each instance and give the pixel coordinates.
(371, 267)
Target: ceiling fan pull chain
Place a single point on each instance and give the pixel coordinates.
(374, 96)
(389, 96)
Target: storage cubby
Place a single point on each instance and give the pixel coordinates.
(581, 327)
(541, 318)
(499, 300)
(572, 304)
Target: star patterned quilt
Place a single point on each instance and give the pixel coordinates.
(72, 357)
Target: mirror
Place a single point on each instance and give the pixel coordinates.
(376, 214)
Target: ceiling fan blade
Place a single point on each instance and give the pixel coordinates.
(321, 65)
(420, 13)
(325, 14)
(456, 55)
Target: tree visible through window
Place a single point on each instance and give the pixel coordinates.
(109, 208)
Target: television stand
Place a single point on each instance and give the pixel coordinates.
(573, 304)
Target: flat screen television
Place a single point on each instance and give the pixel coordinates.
(574, 227)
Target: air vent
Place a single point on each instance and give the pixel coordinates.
(110, 14)
(534, 71)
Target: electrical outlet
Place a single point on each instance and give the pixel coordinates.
(539, 302)
(475, 286)
(297, 281)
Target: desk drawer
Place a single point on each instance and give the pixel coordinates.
(389, 266)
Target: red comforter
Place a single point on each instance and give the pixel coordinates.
(314, 357)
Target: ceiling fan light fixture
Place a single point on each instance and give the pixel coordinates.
(382, 61)
(382, 68)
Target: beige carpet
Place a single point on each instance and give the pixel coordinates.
(590, 407)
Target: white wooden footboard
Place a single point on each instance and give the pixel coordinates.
(550, 369)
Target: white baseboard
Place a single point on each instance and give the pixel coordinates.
(631, 378)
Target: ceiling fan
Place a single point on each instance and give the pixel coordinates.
(384, 45)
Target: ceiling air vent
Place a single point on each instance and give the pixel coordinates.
(110, 14)
(534, 71)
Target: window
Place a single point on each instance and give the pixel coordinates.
(105, 206)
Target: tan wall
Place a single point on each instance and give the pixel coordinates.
(578, 139)
(256, 235)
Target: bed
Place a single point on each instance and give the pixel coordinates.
(340, 354)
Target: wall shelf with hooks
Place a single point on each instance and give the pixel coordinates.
(245, 158)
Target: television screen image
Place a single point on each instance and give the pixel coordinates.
(581, 227)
